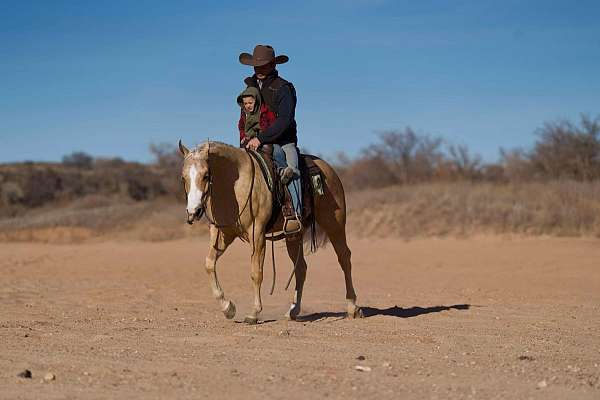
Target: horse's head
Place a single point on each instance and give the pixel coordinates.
(196, 180)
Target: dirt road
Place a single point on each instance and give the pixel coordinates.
(479, 318)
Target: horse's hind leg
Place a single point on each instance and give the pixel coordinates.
(330, 214)
(333, 222)
(218, 244)
(296, 253)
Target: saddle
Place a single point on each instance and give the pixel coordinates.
(283, 209)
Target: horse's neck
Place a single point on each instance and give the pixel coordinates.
(230, 169)
(225, 158)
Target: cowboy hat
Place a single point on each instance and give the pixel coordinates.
(262, 55)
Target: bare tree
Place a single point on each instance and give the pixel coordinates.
(517, 165)
(168, 160)
(565, 150)
(411, 157)
(465, 164)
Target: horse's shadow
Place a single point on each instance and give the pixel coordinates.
(395, 311)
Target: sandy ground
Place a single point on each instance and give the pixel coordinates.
(485, 317)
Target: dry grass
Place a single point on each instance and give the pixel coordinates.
(437, 209)
(558, 209)
(101, 217)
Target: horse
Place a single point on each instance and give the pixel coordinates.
(224, 183)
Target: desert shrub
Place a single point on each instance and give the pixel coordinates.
(78, 159)
(142, 183)
(367, 172)
(115, 162)
(11, 193)
(465, 165)
(34, 185)
(41, 187)
(167, 162)
(166, 156)
(517, 165)
(409, 156)
(405, 157)
(494, 173)
(565, 150)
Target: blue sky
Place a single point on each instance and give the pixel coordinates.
(111, 77)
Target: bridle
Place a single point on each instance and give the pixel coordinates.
(208, 193)
(200, 212)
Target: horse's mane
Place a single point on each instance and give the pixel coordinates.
(210, 146)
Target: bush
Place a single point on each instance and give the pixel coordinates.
(78, 159)
(168, 162)
(41, 187)
(517, 165)
(564, 151)
(11, 193)
(405, 157)
(409, 156)
(568, 151)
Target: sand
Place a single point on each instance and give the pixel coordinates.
(483, 317)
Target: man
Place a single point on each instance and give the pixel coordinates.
(280, 97)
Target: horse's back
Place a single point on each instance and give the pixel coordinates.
(329, 174)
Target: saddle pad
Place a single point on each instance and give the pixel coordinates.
(266, 171)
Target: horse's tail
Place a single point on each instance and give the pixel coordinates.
(314, 236)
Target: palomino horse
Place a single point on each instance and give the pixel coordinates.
(225, 183)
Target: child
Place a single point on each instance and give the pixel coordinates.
(254, 116)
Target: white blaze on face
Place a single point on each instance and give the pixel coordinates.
(195, 194)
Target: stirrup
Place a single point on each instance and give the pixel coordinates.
(291, 225)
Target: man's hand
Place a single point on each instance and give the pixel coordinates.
(253, 144)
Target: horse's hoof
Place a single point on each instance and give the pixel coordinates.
(293, 312)
(356, 313)
(229, 311)
(251, 320)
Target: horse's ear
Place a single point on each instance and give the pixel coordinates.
(184, 150)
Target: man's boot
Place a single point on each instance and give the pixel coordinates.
(286, 175)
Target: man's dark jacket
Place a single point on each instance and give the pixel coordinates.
(280, 96)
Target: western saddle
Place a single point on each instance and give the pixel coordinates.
(284, 222)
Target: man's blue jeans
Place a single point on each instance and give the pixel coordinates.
(284, 156)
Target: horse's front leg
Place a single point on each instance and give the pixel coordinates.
(258, 259)
(218, 244)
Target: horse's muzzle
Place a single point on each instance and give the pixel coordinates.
(195, 216)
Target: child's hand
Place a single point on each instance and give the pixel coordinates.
(253, 144)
